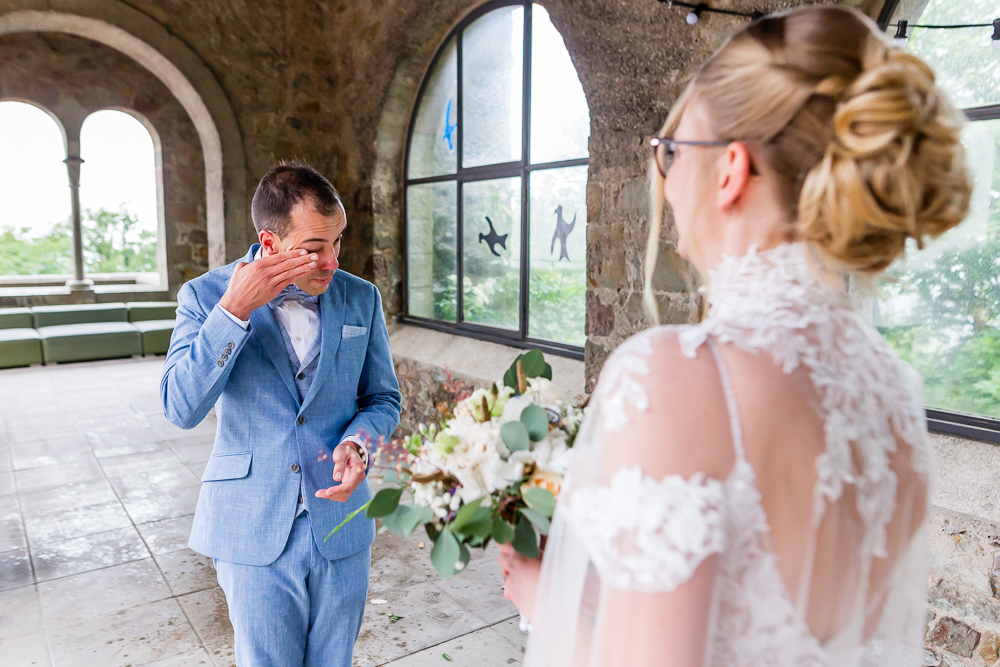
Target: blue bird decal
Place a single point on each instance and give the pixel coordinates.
(449, 128)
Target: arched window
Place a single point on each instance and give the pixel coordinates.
(496, 181)
(34, 193)
(118, 194)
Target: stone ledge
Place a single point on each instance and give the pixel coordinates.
(478, 361)
(967, 474)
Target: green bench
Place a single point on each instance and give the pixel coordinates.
(20, 344)
(54, 334)
(155, 320)
(86, 332)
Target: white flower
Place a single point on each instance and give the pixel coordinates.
(545, 392)
(515, 406)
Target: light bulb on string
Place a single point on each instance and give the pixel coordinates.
(899, 39)
(695, 13)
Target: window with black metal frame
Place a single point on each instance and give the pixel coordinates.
(957, 415)
(455, 174)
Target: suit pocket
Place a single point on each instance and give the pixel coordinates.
(227, 466)
(353, 342)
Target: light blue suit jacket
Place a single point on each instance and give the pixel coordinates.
(267, 438)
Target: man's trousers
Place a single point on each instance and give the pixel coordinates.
(302, 610)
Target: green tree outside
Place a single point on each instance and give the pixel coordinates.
(112, 243)
(940, 309)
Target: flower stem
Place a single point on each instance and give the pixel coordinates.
(348, 519)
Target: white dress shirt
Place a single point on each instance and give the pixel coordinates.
(302, 326)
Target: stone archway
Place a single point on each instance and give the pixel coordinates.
(138, 36)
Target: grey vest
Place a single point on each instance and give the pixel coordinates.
(303, 373)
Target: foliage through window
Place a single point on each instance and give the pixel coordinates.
(940, 308)
(118, 194)
(496, 183)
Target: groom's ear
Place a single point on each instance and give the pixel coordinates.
(270, 243)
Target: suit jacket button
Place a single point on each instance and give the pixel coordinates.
(230, 344)
(224, 356)
(295, 467)
(302, 376)
(220, 363)
(300, 421)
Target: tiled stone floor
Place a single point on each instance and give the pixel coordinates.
(97, 490)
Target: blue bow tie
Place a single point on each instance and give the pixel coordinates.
(292, 293)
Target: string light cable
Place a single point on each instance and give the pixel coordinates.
(899, 39)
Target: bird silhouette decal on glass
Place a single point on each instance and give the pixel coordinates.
(449, 128)
(563, 230)
(494, 239)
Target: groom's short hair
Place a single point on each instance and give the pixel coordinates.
(284, 186)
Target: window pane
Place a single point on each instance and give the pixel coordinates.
(940, 309)
(118, 194)
(560, 118)
(431, 264)
(558, 279)
(492, 81)
(491, 222)
(965, 64)
(435, 129)
(34, 193)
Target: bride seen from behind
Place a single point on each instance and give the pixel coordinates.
(753, 489)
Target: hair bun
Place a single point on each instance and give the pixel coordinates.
(894, 168)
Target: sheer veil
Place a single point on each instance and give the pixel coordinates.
(860, 598)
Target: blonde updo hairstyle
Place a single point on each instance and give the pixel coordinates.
(864, 146)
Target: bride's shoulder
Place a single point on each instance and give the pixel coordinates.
(662, 407)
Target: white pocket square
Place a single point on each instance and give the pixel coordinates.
(353, 332)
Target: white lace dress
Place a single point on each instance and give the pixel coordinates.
(636, 533)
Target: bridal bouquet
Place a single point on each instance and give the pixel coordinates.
(492, 471)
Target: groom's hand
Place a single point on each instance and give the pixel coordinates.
(348, 469)
(254, 284)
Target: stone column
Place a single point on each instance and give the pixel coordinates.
(73, 161)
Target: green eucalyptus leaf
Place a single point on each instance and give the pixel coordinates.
(540, 500)
(431, 531)
(415, 517)
(445, 554)
(390, 477)
(503, 532)
(536, 421)
(533, 362)
(464, 515)
(525, 540)
(515, 436)
(463, 556)
(384, 503)
(392, 522)
(510, 377)
(473, 520)
(537, 519)
(546, 372)
(481, 525)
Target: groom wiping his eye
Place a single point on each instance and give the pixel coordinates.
(294, 356)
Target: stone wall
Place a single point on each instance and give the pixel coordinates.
(963, 597)
(53, 69)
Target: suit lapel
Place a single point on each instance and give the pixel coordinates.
(333, 305)
(266, 327)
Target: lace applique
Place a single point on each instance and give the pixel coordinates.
(617, 384)
(775, 302)
(757, 623)
(646, 534)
